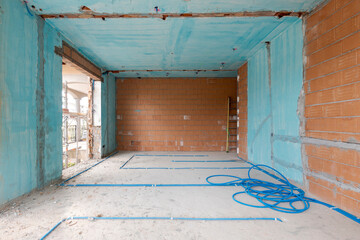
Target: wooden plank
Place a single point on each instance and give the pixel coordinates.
(76, 60)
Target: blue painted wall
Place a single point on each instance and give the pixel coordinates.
(30, 102)
(273, 123)
(286, 84)
(52, 104)
(108, 115)
(259, 109)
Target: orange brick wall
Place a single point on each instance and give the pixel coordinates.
(242, 111)
(332, 102)
(173, 114)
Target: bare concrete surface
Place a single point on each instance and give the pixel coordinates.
(30, 217)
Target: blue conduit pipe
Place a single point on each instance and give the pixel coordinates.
(127, 161)
(294, 193)
(182, 168)
(272, 194)
(345, 213)
(268, 194)
(76, 175)
(205, 161)
(176, 155)
(158, 218)
(147, 185)
(27, 8)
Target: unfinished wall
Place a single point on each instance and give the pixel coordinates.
(173, 114)
(332, 49)
(275, 75)
(242, 94)
(286, 57)
(30, 102)
(259, 109)
(108, 115)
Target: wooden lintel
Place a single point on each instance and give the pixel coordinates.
(175, 15)
(75, 59)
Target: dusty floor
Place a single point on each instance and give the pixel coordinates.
(32, 216)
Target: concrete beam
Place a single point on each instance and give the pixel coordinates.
(175, 15)
(175, 70)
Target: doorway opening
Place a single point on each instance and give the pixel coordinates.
(76, 120)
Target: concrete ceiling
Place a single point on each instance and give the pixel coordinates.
(219, 44)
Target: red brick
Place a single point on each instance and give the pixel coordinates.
(333, 77)
(351, 10)
(345, 156)
(325, 54)
(323, 193)
(324, 26)
(333, 136)
(347, 28)
(326, 39)
(350, 125)
(311, 47)
(320, 15)
(349, 193)
(341, 3)
(351, 42)
(343, 109)
(342, 93)
(152, 113)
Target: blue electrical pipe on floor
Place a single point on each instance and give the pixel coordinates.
(147, 185)
(205, 161)
(87, 169)
(127, 161)
(271, 194)
(176, 155)
(268, 194)
(158, 218)
(182, 168)
(271, 197)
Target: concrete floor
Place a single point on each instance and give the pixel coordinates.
(30, 217)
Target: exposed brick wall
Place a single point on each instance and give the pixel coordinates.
(332, 102)
(242, 110)
(173, 114)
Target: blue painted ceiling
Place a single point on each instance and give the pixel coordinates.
(174, 43)
(172, 6)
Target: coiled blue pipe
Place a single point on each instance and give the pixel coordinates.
(273, 194)
(280, 196)
(299, 197)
